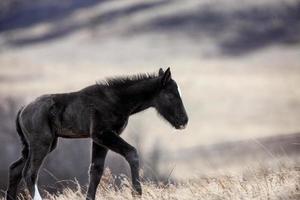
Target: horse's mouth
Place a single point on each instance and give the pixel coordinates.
(181, 127)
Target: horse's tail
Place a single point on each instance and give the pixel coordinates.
(25, 150)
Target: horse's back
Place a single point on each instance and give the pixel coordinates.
(69, 115)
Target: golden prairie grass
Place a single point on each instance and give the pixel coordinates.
(260, 183)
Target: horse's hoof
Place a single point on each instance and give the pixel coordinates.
(137, 192)
(136, 195)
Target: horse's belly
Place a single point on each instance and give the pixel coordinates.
(68, 133)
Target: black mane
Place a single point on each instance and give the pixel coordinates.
(123, 81)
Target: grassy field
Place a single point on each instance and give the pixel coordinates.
(262, 182)
(277, 180)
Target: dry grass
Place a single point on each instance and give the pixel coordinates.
(280, 180)
(261, 183)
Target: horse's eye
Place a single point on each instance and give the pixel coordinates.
(170, 97)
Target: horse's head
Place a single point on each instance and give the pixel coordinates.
(168, 102)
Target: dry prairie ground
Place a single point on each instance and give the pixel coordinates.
(261, 182)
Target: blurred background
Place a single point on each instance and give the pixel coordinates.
(237, 62)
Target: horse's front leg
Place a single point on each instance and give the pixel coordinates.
(115, 143)
(96, 169)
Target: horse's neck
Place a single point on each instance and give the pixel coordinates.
(139, 96)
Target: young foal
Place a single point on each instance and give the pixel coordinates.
(100, 112)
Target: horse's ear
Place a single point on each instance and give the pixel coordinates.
(166, 77)
(161, 72)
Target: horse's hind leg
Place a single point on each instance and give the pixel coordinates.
(38, 151)
(15, 176)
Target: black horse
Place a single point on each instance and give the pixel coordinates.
(101, 112)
